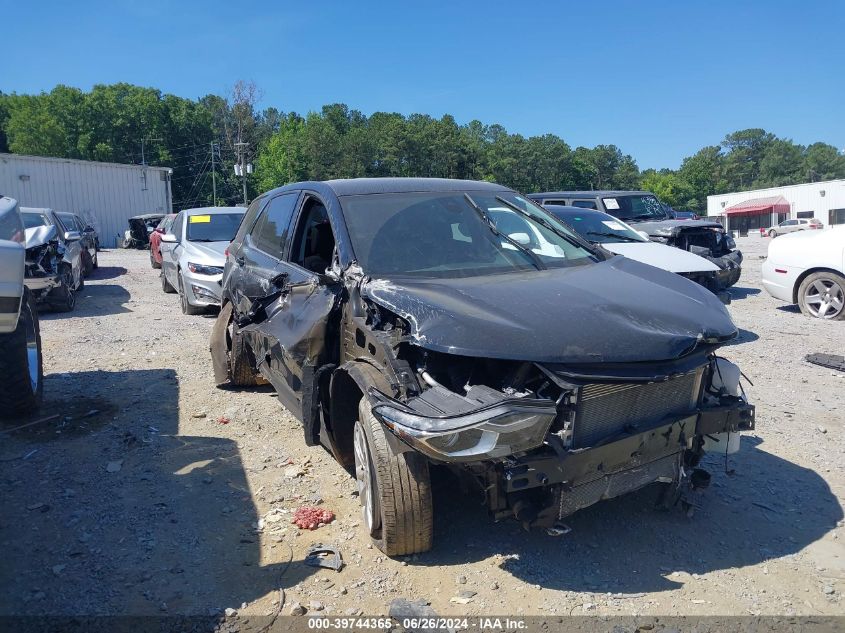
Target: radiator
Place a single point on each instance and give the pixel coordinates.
(607, 409)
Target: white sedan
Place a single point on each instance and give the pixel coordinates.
(619, 238)
(808, 268)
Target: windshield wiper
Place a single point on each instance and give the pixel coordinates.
(546, 224)
(538, 264)
(624, 238)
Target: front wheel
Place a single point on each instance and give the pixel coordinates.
(394, 489)
(21, 370)
(773, 233)
(63, 298)
(822, 295)
(187, 308)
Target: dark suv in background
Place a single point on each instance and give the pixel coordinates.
(643, 211)
(409, 322)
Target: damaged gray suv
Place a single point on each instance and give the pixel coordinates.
(405, 326)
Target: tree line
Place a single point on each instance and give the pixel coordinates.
(132, 124)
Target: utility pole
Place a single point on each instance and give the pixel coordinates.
(143, 159)
(241, 147)
(213, 175)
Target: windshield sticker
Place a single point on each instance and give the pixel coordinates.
(613, 225)
(199, 219)
(611, 203)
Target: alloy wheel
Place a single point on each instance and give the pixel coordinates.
(31, 349)
(824, 298)
(365, 477)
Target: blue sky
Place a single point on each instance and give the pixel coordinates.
(658, 79)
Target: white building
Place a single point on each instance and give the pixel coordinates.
(105, 194)
(749, 210)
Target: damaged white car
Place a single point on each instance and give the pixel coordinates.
(405, 327)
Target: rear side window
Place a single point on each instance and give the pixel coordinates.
(585, 204)
(177, 227)
(558, 202)
(271, 230)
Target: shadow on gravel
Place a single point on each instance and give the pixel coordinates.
(128, 517)
(789, 307)
(742, 293)
(107, 272)
(769, 508)
(92, 301)
(743, 336)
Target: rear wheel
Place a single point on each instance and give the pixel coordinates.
(187, 308)
(165, 285)
(773, 233)
(822, 295)
(394, 489)
(21, 371)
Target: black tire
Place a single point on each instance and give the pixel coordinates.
(153, 261)
(87, 263)
(401, 488)
(63, 298)
(187, 308)
(165, 285)
(773, 234)
(835, 285)
(18, 350)
(241, 359)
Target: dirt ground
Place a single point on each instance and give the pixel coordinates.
(152, 492)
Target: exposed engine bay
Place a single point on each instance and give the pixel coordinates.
(44, 254)
(542, 441)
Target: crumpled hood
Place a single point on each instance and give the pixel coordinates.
(615, 311)
(660, 226)
(210, 253)
(39, 235)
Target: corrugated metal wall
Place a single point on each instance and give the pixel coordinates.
(804, 198)
(105, 194)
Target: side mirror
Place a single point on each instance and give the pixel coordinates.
(280, 280)
(72, 236)
(89, 229)
(159, 230)
(169, 238)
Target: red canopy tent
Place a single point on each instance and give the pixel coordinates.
(757, 206)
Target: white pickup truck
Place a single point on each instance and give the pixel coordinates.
(21, 371)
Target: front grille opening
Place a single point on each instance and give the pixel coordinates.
(610, 409)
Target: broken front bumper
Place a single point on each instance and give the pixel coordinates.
(730, 267)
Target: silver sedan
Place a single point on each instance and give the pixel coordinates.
(192, 255)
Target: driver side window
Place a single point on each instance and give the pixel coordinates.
(313, 243)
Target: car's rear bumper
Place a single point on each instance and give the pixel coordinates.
(779, 280)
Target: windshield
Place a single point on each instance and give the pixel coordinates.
(214, 227)
(637, 207)
(597, 227)
(33, 220)
(441, 234)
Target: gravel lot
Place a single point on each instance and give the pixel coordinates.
(152, 492)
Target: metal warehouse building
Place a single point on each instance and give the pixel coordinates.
(105, 194)
(749, 210)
